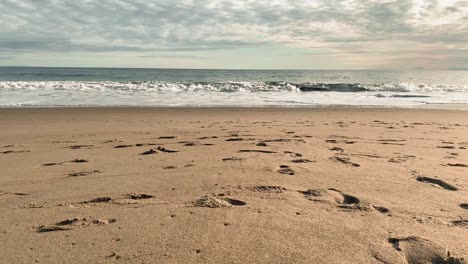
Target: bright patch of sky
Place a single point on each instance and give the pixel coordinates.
(266, 34)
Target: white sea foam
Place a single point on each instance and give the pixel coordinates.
(224, 86)
(154, 93)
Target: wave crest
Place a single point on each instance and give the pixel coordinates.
(228, 87)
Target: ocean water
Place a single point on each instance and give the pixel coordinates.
(23, 87)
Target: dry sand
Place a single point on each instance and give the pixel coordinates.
(227, 185)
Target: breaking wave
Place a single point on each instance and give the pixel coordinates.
(228, 87)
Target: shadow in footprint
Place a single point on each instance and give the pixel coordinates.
(79, 146)
(78, 161)
(457, 165)
(336, 149)
(14, 151)
(345, 161)
(269, 189)
(446, 147)
(44, 228)
(139, 196)
(256, 150)
(63, 162)
(123, 146)
(301, 161)
(82, 173)
(437, 182)
(285, 169)
(233, 159)
(159, 149)
(98, 200)
(239, 139)
(235, 202)
(419, 250)
(52, 164)
(461, 222)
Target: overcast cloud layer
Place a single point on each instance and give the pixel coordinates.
(235, 34)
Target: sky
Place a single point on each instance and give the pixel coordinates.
(235, 34)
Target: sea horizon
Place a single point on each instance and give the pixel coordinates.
(91, 86)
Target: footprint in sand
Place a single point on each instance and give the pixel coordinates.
(16, 193)
(83, 173)
(188, 143)
(302, 161)
(98, 200)
(334, 141)
(79, 146)
(113, 256)
(215, 202)
(457, 165)
(123, 146)
(233, 159)
(207, 137)
(437, 182)
(330, 195)
(418, 250)
(144, 144)
(460, 223)
(62, 141)
(159, 149)
(78, 161)
(337, 149)
(256, 150)
(293, 154)
(345, 161)
(285, 169)
(239, 139)
(139, 196)
(14, 151)
(343, 200)
(282, 140)
(11, 146)
(63, 162)
(111, 141)
(446, 147)
(73, 223)
(268, 189)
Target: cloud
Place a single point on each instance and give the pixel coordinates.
(147, 26)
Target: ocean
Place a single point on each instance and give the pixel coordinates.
(31, 86)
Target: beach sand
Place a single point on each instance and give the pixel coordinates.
(233, 185)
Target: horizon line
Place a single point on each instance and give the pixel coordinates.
(234, 69)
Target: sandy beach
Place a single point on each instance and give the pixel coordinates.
(233, 185)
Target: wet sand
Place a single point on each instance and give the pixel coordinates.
(233, 185)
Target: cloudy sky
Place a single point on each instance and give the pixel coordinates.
(245, 34)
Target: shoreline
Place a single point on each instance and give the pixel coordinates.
(458, 107)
